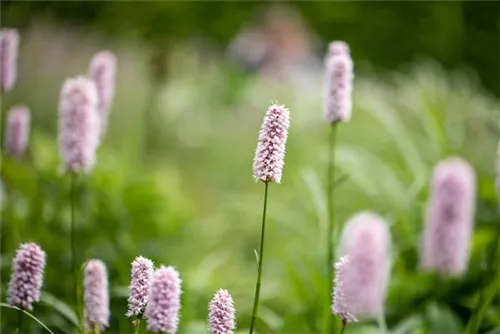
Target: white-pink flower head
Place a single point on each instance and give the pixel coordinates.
(78, 124)
(9, 44)
(27, 276)
(164, 302)
(140, 284)
(340, 302)
(270, 154)
(102, 71)
(17, 131)
(338, 83)
(221, 313)
(450, 218)
(366, 242)
(96, 295)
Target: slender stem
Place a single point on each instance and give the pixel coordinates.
(344, 325)
(137, 325)
(19, 321)
(328, 324)
(261, 259)
(488, 291)
(73, 241)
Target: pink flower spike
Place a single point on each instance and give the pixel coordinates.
(140, 284)
(17, 131)
(450, 218)
(164, 302)
(78, 124)
(366, 242)
(103, 72)
(9, 44)
(270, 154)
(222, 313)
(96, 295)
(339, 76)
(27, 276)
(340, 303)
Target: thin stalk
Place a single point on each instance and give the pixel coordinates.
(344, 325)
(137, 325)
(73, 241)
(328, 324)
(19, 321)
(261, 260)
(488, 291)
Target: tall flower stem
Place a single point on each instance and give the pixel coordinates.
(137, 325)
(344, 325)
(19, 321)
(328, 324)
(490, 286)
(261, 259)
(73, 241)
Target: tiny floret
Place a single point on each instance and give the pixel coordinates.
(17, 131)
(96, 295)
(338, 83)
(27, 276)
(9, 44)
(164, 302)
(140, 283)
(78, 124)
(270, 154)
(222, 313)
(450, 218)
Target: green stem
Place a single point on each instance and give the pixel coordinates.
(28, 314)
(19, 321)
(344, 325)
(137, 325)
(490, 287)
(328, 324)
(73, 241)
(261, 259)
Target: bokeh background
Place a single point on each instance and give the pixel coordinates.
(173, 179)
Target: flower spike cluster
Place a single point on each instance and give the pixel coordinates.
(338, 83)
(270, 154)
(164, 302)
(222, 313)
(9, 44)
(96, 295)
(27, 276)
(140, 283)
(450, 218)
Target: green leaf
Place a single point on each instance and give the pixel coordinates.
(60, 306)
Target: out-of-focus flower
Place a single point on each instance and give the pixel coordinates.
(338, 83)
(366, 242)
(9, 44)
(450, 218)
(17, 131)
(78, 124)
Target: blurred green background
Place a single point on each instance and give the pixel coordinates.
(173, 177)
